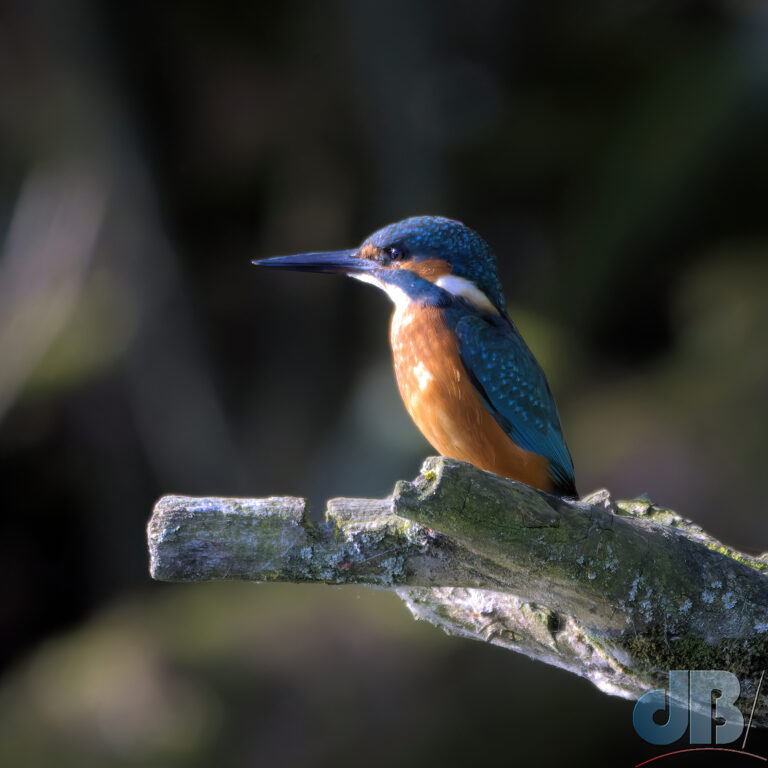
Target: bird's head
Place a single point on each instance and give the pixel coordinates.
(412, 257)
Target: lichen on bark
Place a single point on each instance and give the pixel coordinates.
(617, 592)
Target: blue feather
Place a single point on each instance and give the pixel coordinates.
(514, 389)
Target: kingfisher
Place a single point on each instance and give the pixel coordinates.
(466, 376)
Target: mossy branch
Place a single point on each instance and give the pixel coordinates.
(617, 592)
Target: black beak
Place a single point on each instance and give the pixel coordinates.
(339, 262)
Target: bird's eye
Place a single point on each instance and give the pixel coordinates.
(396, 253)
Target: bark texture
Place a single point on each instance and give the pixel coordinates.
(618, 592)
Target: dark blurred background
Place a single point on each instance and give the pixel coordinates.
(614, 154)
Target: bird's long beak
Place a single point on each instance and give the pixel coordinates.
(343, 262)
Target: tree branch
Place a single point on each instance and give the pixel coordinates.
(617, 592)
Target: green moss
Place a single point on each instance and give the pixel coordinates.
(633, 507)
(728, 552)
(656, 651)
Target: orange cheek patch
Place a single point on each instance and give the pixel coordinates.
(370, 252)
(429, 269)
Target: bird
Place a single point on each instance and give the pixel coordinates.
(466, 376)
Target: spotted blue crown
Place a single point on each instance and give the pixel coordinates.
(450, 241)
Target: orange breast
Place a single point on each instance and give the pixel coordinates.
(445, 405)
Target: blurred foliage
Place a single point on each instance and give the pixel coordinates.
(615, 158)
(232, 676)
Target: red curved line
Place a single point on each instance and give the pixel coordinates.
(702, 749)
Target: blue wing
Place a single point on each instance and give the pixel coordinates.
(514, 389)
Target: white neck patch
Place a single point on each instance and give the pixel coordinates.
(466, 289)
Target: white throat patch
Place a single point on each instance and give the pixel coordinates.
(399, 297)
(460, 286)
